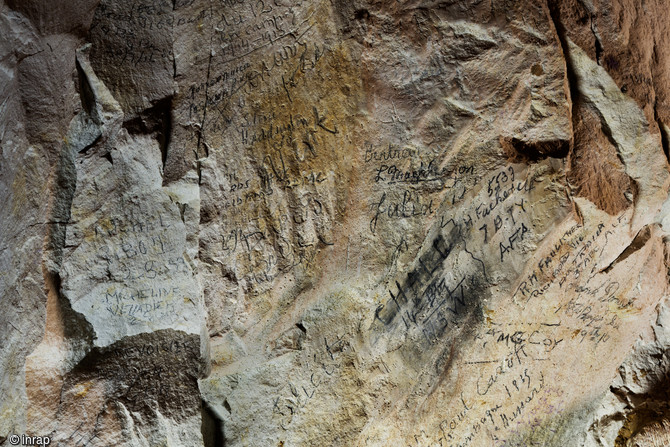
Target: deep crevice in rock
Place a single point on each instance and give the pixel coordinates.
(665, 143)
(639, 241)
(89, 146)
(77, 329)
(554, 15)
(156, 120)
(213, 425)
(519, 151)
(597, 43)
(664, 140)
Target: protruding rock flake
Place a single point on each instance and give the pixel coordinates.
(363, 223)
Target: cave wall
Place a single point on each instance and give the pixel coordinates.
(362, 223)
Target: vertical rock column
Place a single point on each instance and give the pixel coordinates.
(124, 345)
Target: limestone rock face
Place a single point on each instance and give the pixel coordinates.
(335, 223)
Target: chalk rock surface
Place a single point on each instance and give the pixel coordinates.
(335, 223)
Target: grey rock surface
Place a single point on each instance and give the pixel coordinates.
(327, 223)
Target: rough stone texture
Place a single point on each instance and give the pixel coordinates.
(335, 223)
